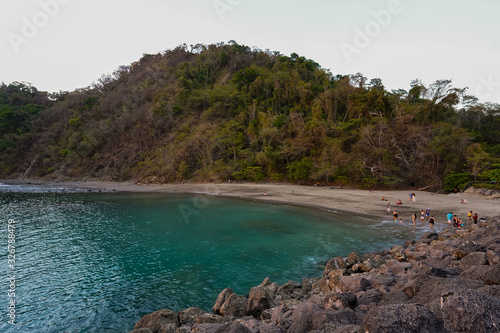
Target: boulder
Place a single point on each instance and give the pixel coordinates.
(465, 248)
(470, 311)
(234, 305)
(287, 288)
(383, 282)
(161, 321)
(211, 318)
(354, 283)
(281, 316)
(340, 301)
(205, 328)
(369, 297)
(491, 290)
(400, 268)
(233, 328)
(395, 296)
(308, 284)
(309, 317)
(353, 259)
(189, 316)
(142, 330)
(430, 235)
(334, 278)
(473, 259)
(430, 291)
(408, 318)
(334, 264)
(486, 274)
(223, 296)
(493, 254)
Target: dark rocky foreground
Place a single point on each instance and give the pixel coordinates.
(440, 283)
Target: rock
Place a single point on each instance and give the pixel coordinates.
(210, 318)
(266, 314)
(430, 235)
(223, 296)
(234, 305)
(258, 301)
(334, 278)
(491, 290)
(415, 284)
(395, 296)
(384, 281)
(205, 328)
(473, 259)
(398, 318)
(400, 256)
(353, 259)
(301, 318)
(345, 329)
(233, 328)
(465, 248)
(308, 284)
(340, 301)
(161, 321)
(142, 330)
(487, 274)
(400, 268)
(287, 288)
(493, 254)
(369, 297)
(354, 283)
(334, 264)
(281, 316)
(470, 311)
(189, 316)
(309, 317)
(413, 255)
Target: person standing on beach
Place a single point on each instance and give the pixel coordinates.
(469, 217)
(475, 218)
(413, 197)
(449, 217)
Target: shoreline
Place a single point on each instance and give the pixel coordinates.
(359, 202)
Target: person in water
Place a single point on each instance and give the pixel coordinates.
(414, 217)
(395, 214)
(449, 217)
(431, 222)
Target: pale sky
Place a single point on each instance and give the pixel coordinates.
(68, 44)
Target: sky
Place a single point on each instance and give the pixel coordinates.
(62, 45)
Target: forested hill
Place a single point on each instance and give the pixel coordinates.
(226, 111)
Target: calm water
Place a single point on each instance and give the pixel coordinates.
(97, 262)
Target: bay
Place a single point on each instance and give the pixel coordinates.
(97, 262)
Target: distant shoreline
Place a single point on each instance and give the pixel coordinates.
(360, 202)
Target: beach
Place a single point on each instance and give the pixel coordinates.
(361, 202)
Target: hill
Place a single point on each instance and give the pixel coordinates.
(226, 111)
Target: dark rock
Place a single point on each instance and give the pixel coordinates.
(334, 264)
(210, 318)
(354, 283)
(465, 248)
(470, 311)
(223, 296)
(287, 288)
(161, 321)
(189, 316)
(408, 243)
(414, 255)
(281, 316)
(234, 305)
(301, 318)
(308, 284)
(344, 329)
(142, 330)
(430, 235)
(369, 297)
(266, 314)
(261, 297)
(308, 317)
(491, 290)
(473, 259)
(487, 274)
(493, 254)
(353, 258)
(340, 301)
(400, 268)
(233, 328)
(395, 296)
(205, 328)
(398, 318)
(384, 281)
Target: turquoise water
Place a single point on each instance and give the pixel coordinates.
(97, 262)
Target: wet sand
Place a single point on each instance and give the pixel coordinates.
(361, 202)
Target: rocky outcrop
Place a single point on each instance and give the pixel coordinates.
(440, 283)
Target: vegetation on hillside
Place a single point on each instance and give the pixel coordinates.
(226, 111)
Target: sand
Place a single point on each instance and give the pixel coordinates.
(361, 202)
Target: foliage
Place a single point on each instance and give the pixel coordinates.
(221, 111)
(454, 181)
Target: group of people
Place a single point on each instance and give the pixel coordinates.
(458, 223)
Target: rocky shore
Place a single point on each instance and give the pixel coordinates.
(447, 282)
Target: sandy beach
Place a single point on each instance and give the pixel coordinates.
(356, 201)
